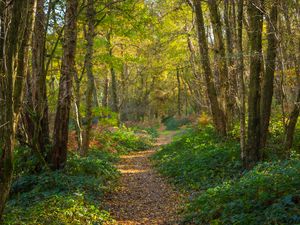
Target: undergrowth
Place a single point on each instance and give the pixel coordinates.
(209, 168)
(199, 159)
(124, 140)
(268, 194)
(68, 196)
(173, 123)
(73, 195)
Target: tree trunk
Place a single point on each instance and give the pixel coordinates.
(240, 70)
(293, 118)
(114, 95)
(226, 100)
(105, 92)
(58, 155)
(77, 99)
(217, 113)
(89, 36)
(39, 111)
(253, 154)
(268, 79)
(179, 103)
(14, 19)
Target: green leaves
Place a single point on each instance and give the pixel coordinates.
(199, 160)
(210, 169)
(69, 196)
(269, 194)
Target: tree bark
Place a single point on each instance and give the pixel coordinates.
(268, 79)
(14, 19)
(253, 154)
(105, 92)
(217, 113)
(226, 100)
(58, 155)
(292, 121)
(241, 81)
(39, 111)
(89, 36)
(179, 103)
(114, 94)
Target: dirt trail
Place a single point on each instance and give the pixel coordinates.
(143, 197)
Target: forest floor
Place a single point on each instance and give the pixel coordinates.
(143, 196)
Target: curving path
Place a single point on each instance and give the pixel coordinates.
(143, 196)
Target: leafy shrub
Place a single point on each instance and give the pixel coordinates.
(94, 164)
(172, 123)
(268, 194)
(152, 131)
(57, 210)
(199, 159)
(88, 177)
(204, 120)
(124, 140)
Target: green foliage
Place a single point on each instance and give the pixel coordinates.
(62, 196)
(199, 159)
(124, 140)
(58, 210)
(210, 169)
(152, 131)
(173, 123)
(268, 194)
(105, 116)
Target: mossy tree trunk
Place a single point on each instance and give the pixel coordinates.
(58, 154)
(89, 36)
(15, 20)
(255, 12)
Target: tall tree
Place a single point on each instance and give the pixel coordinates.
(255, 11)
(217, 113)
(179, 102)
(220, 54)
(15, 19)
(89, 36)
(114, 94)
(58, 154)
(268, 78)
(241, 81)
(38, 111)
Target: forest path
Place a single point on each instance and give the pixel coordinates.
(143, 196)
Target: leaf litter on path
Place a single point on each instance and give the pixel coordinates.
(143, 196)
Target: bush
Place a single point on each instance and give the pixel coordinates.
(268, 194)
(124, 140)
(57, 210)
(172, 123)
(199, 160)
(72, 194)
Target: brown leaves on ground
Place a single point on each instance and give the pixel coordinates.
(143, 197)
